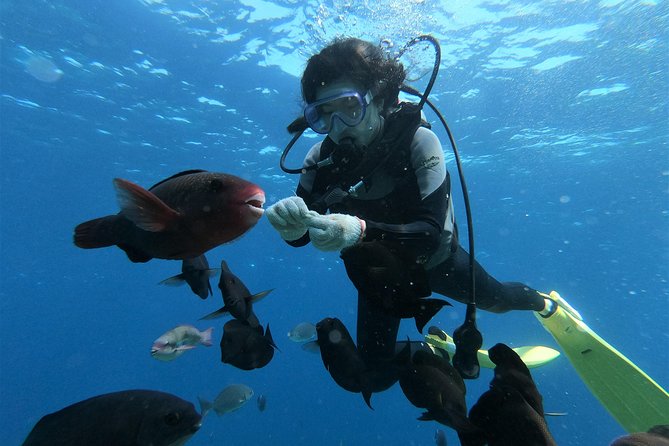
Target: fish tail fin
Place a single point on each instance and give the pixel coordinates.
(206, 336)
(97, 233)
(428, 308)
(205, 406)
(268, 336)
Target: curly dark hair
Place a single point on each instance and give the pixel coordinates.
(356, 60)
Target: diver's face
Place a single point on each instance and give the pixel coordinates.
(362, 134)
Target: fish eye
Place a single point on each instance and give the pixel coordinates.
(172, 418)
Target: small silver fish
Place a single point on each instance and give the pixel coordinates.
(302, 332)
(230, 399)
(175, 342)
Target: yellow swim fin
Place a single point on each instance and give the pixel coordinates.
(630, 395)
(532, 356)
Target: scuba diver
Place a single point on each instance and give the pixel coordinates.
(379, 175)
(376, 189)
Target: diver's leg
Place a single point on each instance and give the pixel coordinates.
(452, 279)
(376, 336)
(376, 331)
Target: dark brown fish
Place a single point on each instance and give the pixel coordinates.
(237, 299)
(506, 418)
(246, 347)
(396, 286)
(342, 359)
(511, 412)
(126, 418)
(196, 273)
(430, 382)
(181, 217)
(511, 371)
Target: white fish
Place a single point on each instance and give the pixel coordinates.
(303, 332)
(230, 399)
(175, 342)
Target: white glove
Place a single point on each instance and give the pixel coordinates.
(334, 232)
(287, 216)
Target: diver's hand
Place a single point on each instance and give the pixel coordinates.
(334, 232)
(287, 216)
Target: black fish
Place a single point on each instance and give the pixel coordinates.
(511, 412)
(126, 418)
(341, 357)
(237, 300)
(430, 382)
(196, 273)
(246, 347)
(397, 286)
(511, 371)
(507, 419)
(180, 217)
(262, 403)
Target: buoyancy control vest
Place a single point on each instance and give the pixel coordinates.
(353, 169)
(350, 184)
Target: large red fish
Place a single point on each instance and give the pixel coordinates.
(181, 217)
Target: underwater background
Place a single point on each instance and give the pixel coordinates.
(559, 110)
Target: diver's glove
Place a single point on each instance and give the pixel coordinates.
(287, 216)
(334, 232)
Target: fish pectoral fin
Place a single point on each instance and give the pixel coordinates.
(311, 347)
(255, 298)
(134, 254)
(177, 280)
(143, 208)
(216, 314)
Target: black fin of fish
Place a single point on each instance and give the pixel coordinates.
(216, 314)
(180, 174)
(427, 309)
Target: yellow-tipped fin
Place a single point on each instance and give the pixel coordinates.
(630, 395)
(532, 355)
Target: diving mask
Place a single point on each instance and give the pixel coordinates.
(349, 107)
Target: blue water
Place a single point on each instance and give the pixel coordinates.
(560, 113)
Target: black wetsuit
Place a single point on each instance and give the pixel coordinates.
(406, 199)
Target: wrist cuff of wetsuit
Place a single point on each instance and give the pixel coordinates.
(363, 228)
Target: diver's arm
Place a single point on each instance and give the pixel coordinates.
(423, 233)
(304, 189)
(306, 196)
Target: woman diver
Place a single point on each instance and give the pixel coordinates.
(379, 175)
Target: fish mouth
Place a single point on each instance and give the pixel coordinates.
(255, 203)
